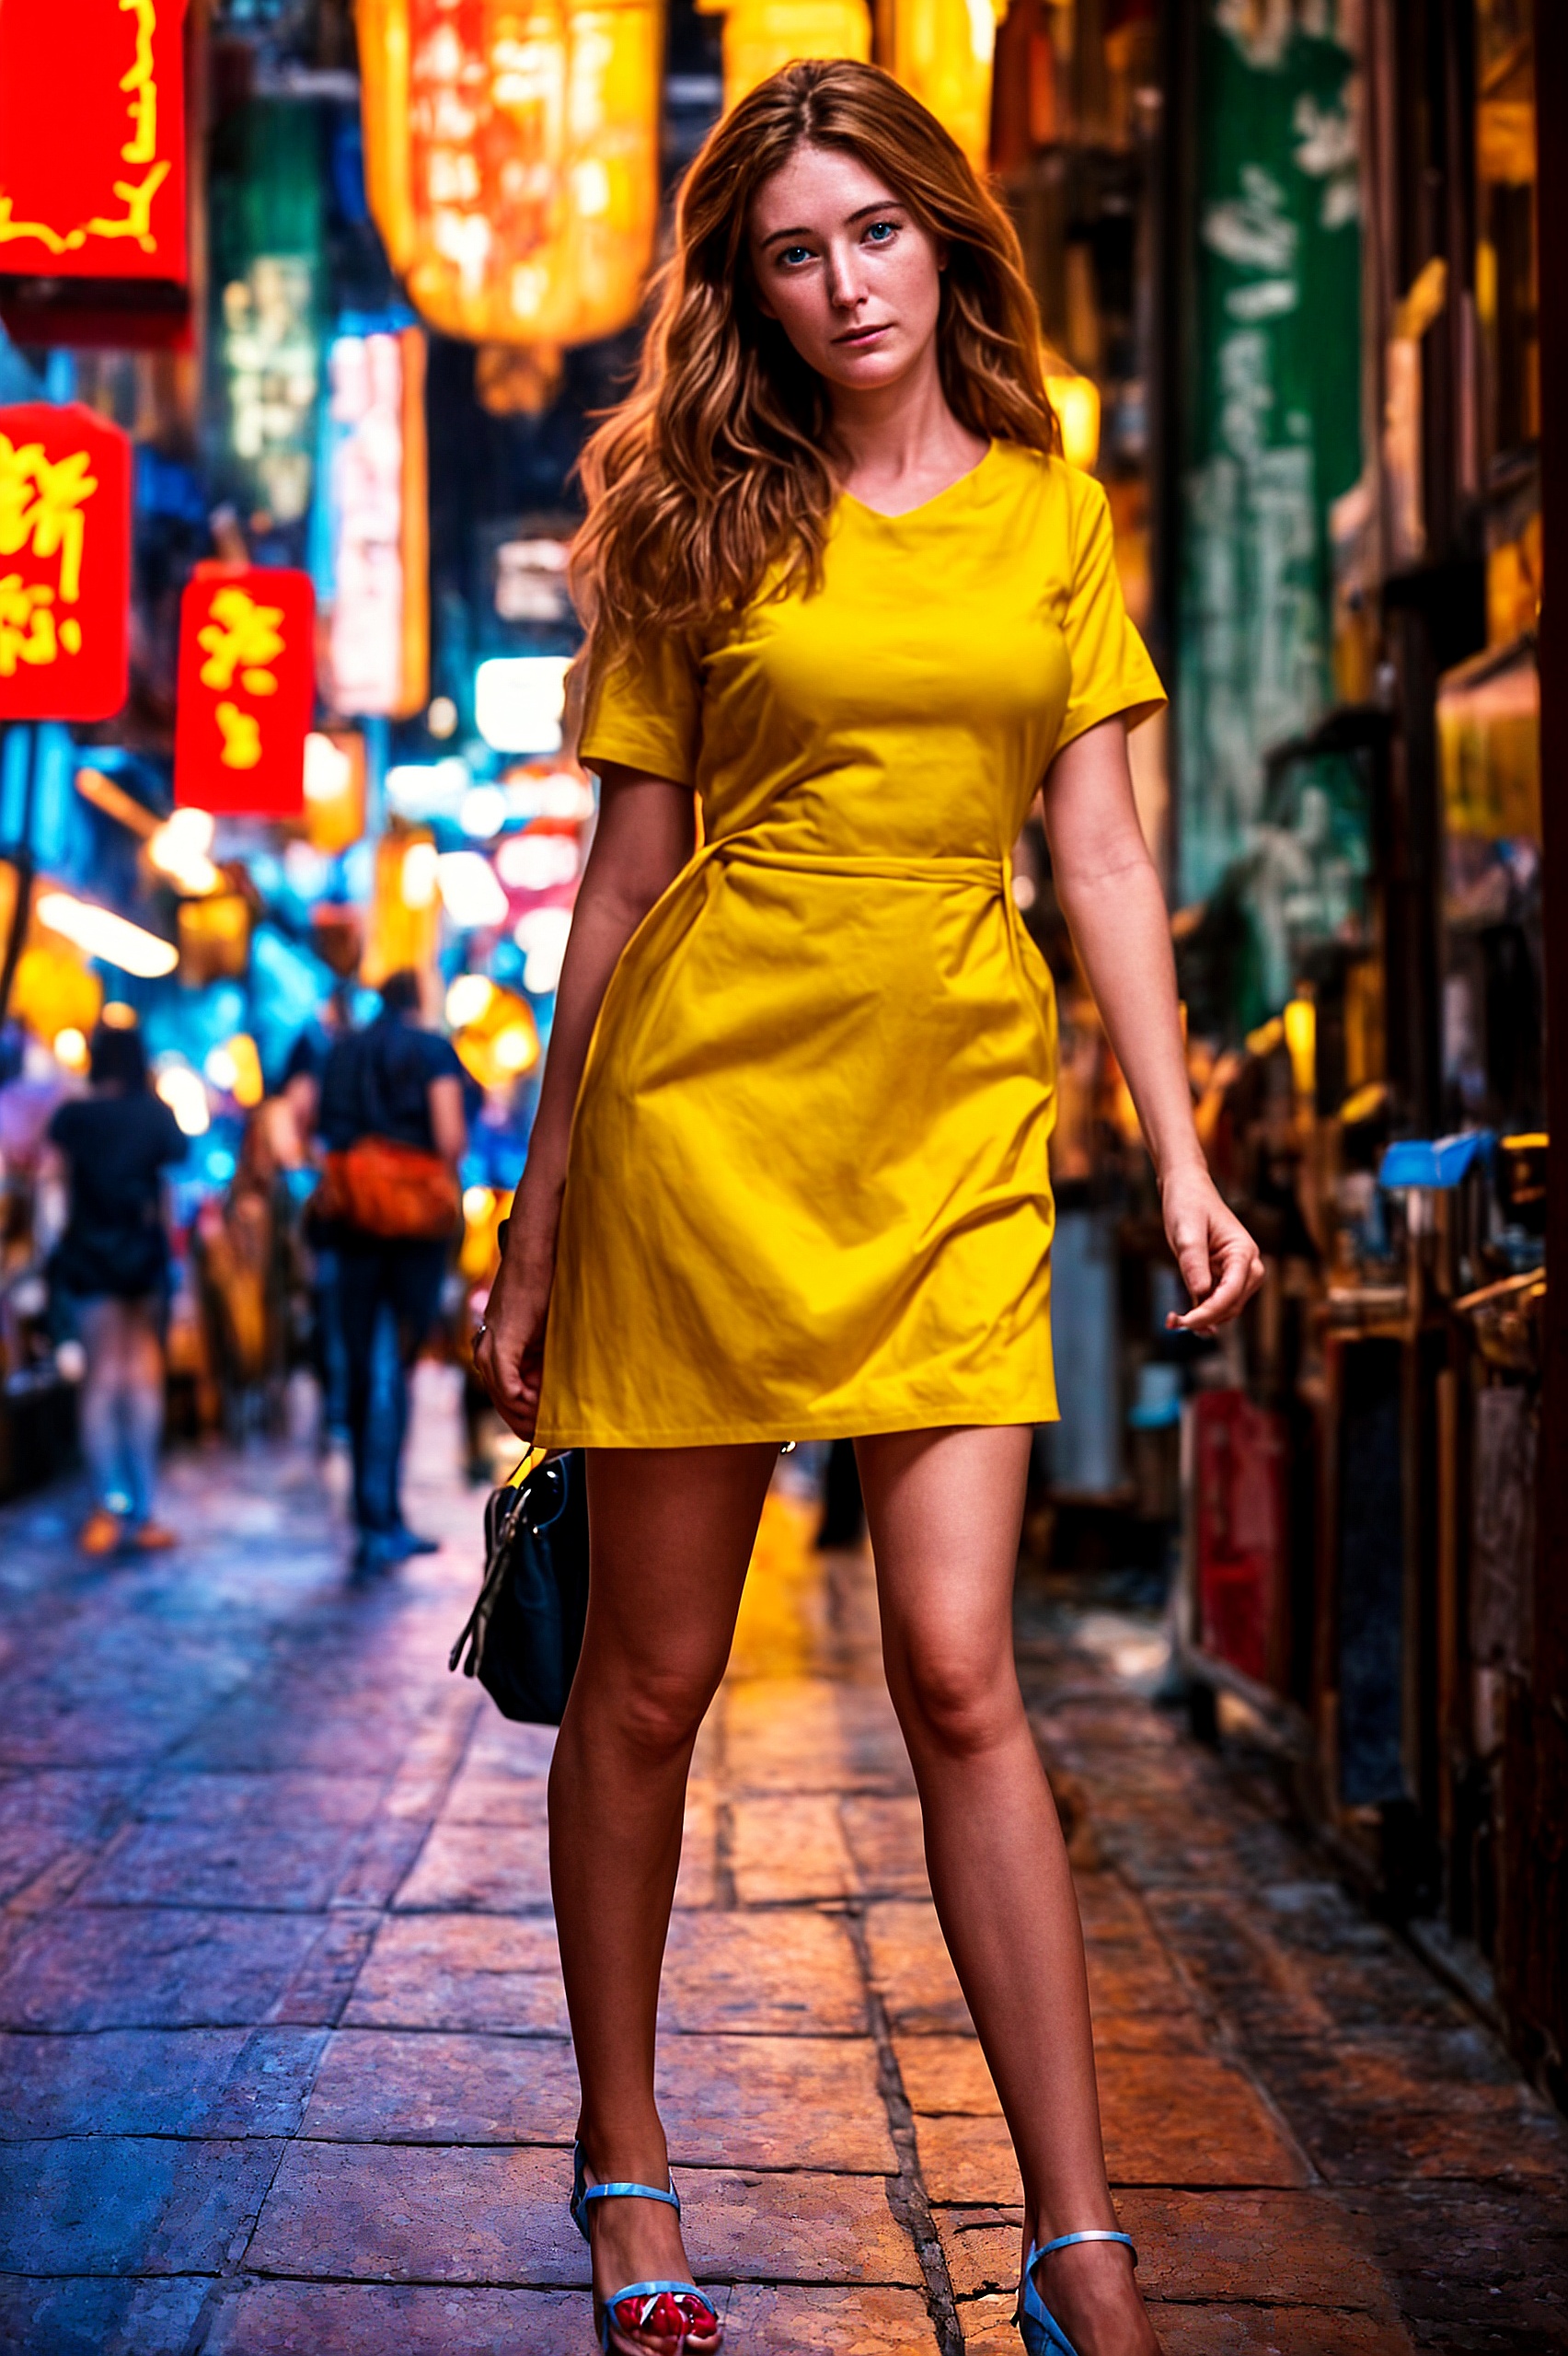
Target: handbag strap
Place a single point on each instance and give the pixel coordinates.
(475, 1628)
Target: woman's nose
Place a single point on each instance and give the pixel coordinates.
(844, 282)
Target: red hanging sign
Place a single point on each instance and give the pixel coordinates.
(92, 139)
(246, 690)
(64, 561)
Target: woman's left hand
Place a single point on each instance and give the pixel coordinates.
(1221, 1266)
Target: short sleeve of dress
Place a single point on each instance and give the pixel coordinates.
(1111, 672)
(642, 706)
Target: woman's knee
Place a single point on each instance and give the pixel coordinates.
(957, 1696)
(656, 1706)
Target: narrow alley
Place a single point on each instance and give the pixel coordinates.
(285, 2062)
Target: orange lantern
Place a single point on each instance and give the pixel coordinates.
(761, 35)
(334, 789)
(942, 50)
(65, 562)
(512, 159)
(92, 138)
(247, 685)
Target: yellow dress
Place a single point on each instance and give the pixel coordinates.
(807, 1193)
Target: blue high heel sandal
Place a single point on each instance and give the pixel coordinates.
(659, 2307)
(1042, 2335)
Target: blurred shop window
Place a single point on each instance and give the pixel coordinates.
(1507, 299)
(1489, 753)
(370, 554)
(267, 240)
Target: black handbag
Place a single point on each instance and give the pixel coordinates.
(525, 1632)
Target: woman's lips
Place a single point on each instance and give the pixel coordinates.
(864, 335)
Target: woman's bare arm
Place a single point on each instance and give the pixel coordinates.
(644, 837)
(1110, 896)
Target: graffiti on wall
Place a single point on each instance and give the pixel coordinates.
(1273, 435)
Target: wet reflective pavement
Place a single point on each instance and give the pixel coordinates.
(283, 2062)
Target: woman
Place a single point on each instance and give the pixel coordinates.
(112, 1264)
(788, 1175)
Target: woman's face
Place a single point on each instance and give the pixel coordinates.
(846, 269)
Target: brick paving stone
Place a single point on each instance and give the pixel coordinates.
(1294, 2248)
(364, 2319)
(461, 1971)
(775, 2102)
(1215, 2330)
(45, 1816)
(480, 1869)
(99, 2317)
(970, 2160)
(82, 1967)
(489, 1797)
(912, 1971)
(223, 2083)
(294, 1868)
(780, 1971)
(368, 2318)
(430, 2214)
(483, 2214)
(745, 2226)
(393, 2086)
(875, 2322)
(809, 1735)
(887, 1845)
(120, 2204)
(789, 1849)
(1203, 2123)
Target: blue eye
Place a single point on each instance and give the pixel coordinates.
(881, 231)
(792, 254)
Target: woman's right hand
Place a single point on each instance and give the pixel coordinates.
(509, 1354)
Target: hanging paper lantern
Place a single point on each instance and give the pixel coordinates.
(375, 577)
(942, 52)
(246, 685)
(761, 35)
(512, 159)
(92, 139)
(65, 562)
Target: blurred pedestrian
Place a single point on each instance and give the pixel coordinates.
(245, 1243)
(788, 1176)
(393, 1123)
(300, 1092)
(113, 1263)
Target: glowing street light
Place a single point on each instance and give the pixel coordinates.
(100, 934)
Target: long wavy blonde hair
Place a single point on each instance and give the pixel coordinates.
(714, 470)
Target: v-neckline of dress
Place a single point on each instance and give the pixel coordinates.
(907, 515)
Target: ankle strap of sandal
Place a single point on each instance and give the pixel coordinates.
(1066, 2241)
(672, 2199)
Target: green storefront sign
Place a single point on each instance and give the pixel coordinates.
(1272, 417)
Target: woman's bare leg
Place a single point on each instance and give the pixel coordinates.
(945, 1509)
(672, 1534)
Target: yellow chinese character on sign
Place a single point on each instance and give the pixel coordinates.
(27, 625)
(241, 637)
(241, 732)
(41, 508)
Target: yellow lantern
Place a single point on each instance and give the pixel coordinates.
(942, 50)
(404, 929)
(1075, 401)
(512, 159)
(761, 35)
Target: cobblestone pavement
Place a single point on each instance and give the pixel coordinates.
(283, 2058)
